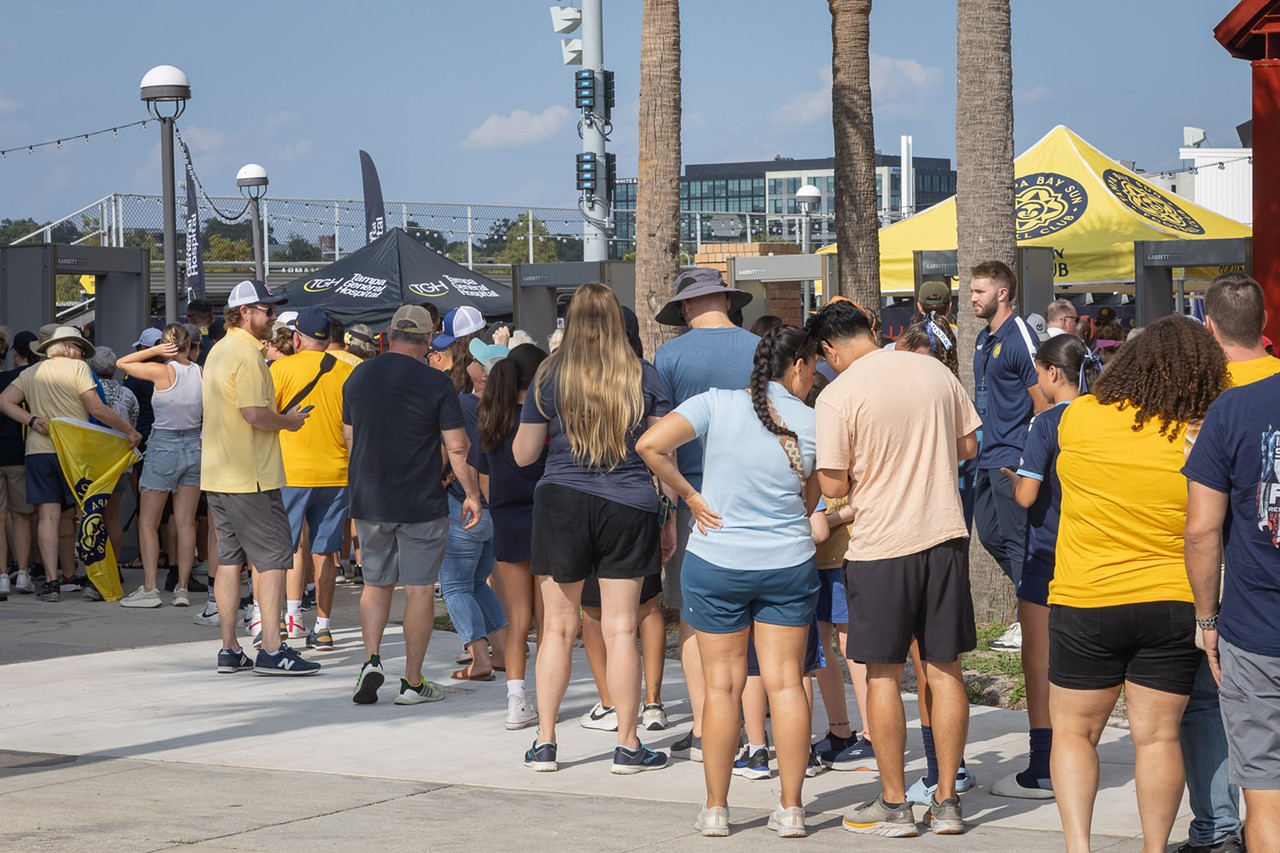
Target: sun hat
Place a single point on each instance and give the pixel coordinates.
(487, 354)
(69, 334)
(690, 284)
(461, 321)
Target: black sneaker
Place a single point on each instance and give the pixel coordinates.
(753, 766)
(368, 680)
(309, 599)
(284, 662)
(815, 765)
(72, 584)
(689, 747)
(628, 761)
(49, 591)
(541, 757)
(90, 593)
(1230, 845)
(233, 660)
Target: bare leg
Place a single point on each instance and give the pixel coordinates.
(754, 707)
(555, 651)
(1078, 719)
(151, 505)
(184, 518)
(1035, 661)
(780, 650)
(1155, 719)
(519, 587)
(50, 519)
(691, 664)
(597, 654)
(831, 685)
(67, 543)
(375, 609)
(950, 706)
(326, 574)
(653, 648)
(419, 618)
(297, 579)
(226, 591)
(115, 532)
(1263, 827)
(22, 539)
(619, 613)
(270, 593)
(726, 676)
(884, 704)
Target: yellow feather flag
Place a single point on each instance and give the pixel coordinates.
(89, 284)
(92, 459)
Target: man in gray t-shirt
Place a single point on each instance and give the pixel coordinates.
(713, 353)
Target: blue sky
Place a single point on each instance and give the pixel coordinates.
(467, 100)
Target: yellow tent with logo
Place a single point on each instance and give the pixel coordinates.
(1073, 198)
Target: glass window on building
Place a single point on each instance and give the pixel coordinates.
(775, 187)
(793, 184)
(775, 205)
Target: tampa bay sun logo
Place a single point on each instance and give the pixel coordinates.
(1046, 203)
(1148, 203)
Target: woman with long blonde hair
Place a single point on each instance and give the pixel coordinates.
(595, 511)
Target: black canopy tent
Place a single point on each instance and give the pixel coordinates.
(368, 286)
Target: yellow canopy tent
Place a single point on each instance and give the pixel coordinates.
(1073, 198)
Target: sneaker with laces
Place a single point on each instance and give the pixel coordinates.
(520, 713)
(90, 593)
(600, 718)
(788, 823)
(284, 662)
(320, 639)
(815, 765)
(945, 818)
(5, 586)
(340, 576)
(628, 761)
(713, 822)
(293, 627)
(142, 598)
(857, 754)
(541, 757)
(1230, 845)
(181, 598)
(49, 592)
(921, 794)
(308, 600)
(689, 747)
(23, 583)
(233, 660)
(423, 691)
(255, 628)
(208, 616)
(753, 766)
(368, 680)
(1010, 640)
(875, 818)
(653, 717)
(72, 584)
(357, 574)
(829, 745)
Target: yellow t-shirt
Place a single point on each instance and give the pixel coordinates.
(1124, 508)
(314, 456)
(1245, 372)
(346, 357)
(235, 457)
(52, 388)
(831, 553)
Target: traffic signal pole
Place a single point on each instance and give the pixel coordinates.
(594, 202)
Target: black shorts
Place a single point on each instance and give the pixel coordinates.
(924, 596)
(1150, 644)
(577, 535)
(651, 588)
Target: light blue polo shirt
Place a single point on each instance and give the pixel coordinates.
(748, 479)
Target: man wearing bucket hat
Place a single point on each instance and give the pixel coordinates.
(713, 353)
(59, 386)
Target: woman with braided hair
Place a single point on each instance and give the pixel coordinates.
(1120, 605)
(750, 566)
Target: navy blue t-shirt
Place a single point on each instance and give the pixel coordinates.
(629, 483)
(510, 486)
(1004, 365)
(12, 442)
(1040, 462)
(470, 405)
(1238, 453)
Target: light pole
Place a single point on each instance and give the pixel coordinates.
(252, 181)
(807, 197)
(166, 91)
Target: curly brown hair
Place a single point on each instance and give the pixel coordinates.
(1171, 372)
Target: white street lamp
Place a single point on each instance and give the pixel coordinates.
(252, 181)
(166, 90)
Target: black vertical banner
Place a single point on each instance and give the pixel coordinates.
(194, 259)
(375, 212)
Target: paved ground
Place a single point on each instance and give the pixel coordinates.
(115, 731)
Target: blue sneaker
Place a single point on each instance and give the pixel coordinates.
(753, 766)
(233, 660)
(922, 795)
(628, 761)
(541, 757)
(284, 662)
(858, 755)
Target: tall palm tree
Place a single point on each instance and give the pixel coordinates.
(985, 224)
(658, 177)
(857, 229)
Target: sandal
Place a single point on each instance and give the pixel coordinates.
(464, 674)
(135, 563)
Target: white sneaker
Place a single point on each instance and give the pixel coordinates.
(653, 718)
(4, 583)
(181, 598)
(1010, 640)
(142, 598)
(520, 713)
(208, 616)
(600, 718)
(295, 627)
(788, 823)
(23, 584)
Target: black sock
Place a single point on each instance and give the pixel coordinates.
(374, 660)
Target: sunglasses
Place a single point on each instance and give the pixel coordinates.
(269, 310)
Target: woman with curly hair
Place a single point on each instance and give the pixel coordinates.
(1121, 612)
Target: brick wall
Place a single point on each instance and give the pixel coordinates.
(784, 298)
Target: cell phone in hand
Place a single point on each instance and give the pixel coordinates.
(305, 409)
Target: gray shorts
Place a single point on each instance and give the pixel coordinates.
(13, 490)
(251, 525)
(408, 554)
(1250, 699)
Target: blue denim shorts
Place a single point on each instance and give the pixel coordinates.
(833, 600)
(172, 460)
(720, 601)
(324, 509)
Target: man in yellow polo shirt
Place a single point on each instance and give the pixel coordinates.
(242, 473)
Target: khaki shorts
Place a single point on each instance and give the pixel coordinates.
(13, 489)
(408, 554)
(252, 525)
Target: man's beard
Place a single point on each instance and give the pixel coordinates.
(260, 326)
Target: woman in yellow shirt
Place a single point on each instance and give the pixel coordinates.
(1120, 604)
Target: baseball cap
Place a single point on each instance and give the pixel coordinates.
(487, 354)
(254, 292)
(289, 318)
(461, 321)
(149, 338)
(1039, 326)
(311, 323)
(934, 295)
(412, 318)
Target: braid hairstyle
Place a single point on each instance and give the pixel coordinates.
(932, 335)
(1073, 357)
(777, 351)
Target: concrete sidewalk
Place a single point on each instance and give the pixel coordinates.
(144, 746)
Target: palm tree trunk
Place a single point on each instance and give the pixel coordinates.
(658, 177)
(857, 228)
(985, 223)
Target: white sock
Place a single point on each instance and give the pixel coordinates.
(753, 748)
(515, 687)
(322, 622)
(311, 587)
(294, 608)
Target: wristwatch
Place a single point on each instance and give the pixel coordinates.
(33, 420)
(1210, 624)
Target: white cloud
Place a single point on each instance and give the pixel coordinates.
(8, 104)
(807, 107)
(518, 128)
(897, 80)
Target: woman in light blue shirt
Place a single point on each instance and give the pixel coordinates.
(750, 563)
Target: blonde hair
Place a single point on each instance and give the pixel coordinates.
(176, 334)
(598, 392)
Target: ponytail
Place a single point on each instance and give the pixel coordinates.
(510, 376)
(1072, 357)
(778, 350)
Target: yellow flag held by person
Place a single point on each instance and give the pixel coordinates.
(92, 460)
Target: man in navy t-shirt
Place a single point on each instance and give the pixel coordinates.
(1233, 518)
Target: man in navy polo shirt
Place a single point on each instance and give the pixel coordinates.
(1004, 379)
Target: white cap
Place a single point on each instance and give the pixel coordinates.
(289, 318)
(253, 292)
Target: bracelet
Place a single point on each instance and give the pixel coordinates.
(32, 422)
(1210, 624)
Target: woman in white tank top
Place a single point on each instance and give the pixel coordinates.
(172, 461)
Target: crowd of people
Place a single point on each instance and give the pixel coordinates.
(799, 497)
